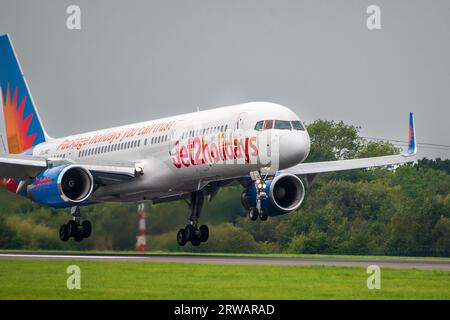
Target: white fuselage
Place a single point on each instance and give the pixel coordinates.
(183, 153)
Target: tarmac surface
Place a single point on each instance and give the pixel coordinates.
(232, 260)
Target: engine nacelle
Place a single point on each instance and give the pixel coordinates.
(285, 193)
(62, 186)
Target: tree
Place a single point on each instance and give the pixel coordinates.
(8, 237)
(376, 149)
(333, 140)
(441, 235)
(436, 164)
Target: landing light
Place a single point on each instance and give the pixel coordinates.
(260, 184)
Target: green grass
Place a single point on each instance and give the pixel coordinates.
(39, 279)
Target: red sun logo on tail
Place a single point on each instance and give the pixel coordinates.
(15, 124)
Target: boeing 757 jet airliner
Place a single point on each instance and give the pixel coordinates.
(259, 145)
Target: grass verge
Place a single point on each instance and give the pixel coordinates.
(41, 279)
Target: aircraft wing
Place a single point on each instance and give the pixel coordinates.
(20, 166)
(339, 165)
(24, 167)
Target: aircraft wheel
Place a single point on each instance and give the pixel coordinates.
(204, 233)
(189, 232)
(64, 234)
(72, 227)
(79, 237)
(181, 237)
(196, 242)
(263, 215)
(253, 214)
(87, 228)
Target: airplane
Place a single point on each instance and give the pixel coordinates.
(261, 146)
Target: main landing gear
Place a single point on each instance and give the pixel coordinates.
(191, 232)
(74, 228)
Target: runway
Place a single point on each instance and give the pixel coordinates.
(232, 260)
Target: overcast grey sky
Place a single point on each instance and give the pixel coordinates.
(140, 60)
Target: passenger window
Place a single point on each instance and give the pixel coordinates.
(259, 125)
(297, 125)
(283, 125)
(268, 124)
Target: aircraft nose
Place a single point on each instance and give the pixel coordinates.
(294, 148)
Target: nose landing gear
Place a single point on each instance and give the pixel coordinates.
(192, 233)
(258, 210)
(74, 228)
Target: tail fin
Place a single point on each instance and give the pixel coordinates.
(22, 124)
(412, 146)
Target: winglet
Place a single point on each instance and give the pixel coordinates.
(412, 146)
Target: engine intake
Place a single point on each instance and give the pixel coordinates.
(62, 186)
(287, 192)
(75, 183)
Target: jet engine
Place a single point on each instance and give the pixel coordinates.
(285, 193)
(62, 186)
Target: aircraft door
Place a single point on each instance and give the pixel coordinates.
(175, 135)
(241, 120)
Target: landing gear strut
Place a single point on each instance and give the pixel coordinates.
(192, 232)
(258, 210)
(74, 228)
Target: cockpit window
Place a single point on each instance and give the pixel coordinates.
(281, 124)
(297, 125)
(259, 125)
(268, 124)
